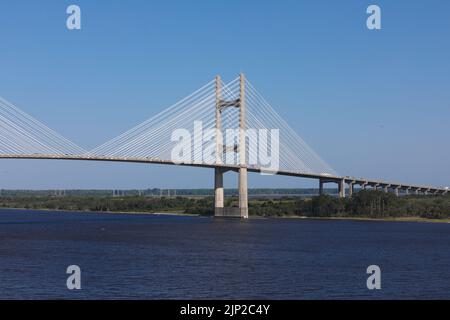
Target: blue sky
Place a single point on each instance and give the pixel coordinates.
(373, 104)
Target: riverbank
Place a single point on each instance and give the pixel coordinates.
(388, 219)
(364, 205)
(254, 217)
(168, 213)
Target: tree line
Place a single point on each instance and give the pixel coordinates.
(365, 203)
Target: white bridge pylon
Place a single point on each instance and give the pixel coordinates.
(196, 115)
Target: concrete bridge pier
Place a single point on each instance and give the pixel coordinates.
(243, 186)
(218, 192)
(350, 188)
(218, 172)
(243, 193)
(341, 188)
(219, 209)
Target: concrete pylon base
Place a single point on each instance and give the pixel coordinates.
(231, 212)
(243, 213)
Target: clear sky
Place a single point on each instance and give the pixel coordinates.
(373, 104)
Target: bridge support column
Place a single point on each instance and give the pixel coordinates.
(242, 211)
(386, 189)
(341, 188)
(243, 193)
(243, 186)
(321, 187)
(396, 191)
(218, 192)
(350, 189)
(218, 172)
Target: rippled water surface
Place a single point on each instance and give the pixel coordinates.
(154, 257)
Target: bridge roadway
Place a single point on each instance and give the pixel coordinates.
(323, 178)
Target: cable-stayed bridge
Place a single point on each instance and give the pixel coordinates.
(222, 126)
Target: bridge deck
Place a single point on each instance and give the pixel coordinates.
(324, 177)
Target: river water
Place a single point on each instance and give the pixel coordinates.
(174, 257)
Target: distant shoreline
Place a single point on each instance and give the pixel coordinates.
(387, 219)
(171, 213)
(287, 217)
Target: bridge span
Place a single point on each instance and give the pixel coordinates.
(216, 107)
(345, 184)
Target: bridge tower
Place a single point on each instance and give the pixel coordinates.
(219, 209)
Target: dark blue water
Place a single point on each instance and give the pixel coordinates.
(153, 257)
